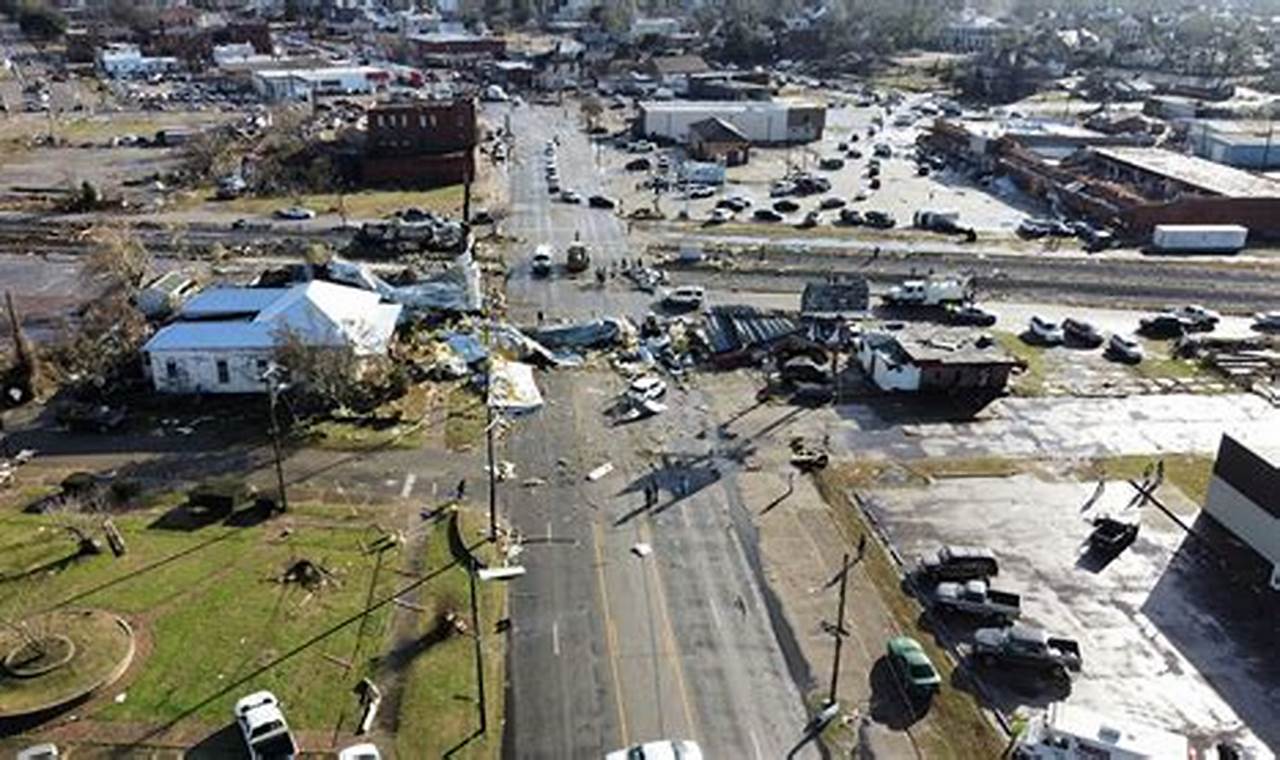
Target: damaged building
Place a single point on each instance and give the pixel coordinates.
(946, 362)
(420, 143)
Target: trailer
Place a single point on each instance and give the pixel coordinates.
(1199, 238)
(1067, 732)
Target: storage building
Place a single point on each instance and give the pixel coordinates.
(1244, 496)
(775, 122)
(937, 362)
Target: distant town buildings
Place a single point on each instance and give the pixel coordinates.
(122, 60)
(301, 84)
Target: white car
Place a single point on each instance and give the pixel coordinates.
(569, 196)
(1125, 348)
(1046, 331)
(647, 388)
(687, 297)
(701, 191)
(643, 146)
(719, 216)
(360, 752)
(661, 750)
(39, 752)
(1267, 321)
(1198, 315)
(262, 724)
(295, 213)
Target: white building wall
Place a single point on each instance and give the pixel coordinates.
(1249, 522)
(765, 123)
(886, 375)
(197, 371)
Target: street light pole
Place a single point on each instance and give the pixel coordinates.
(839, 631)
(274, 386)
(475, 627)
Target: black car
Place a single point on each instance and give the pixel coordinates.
(601, 201)
(732, 204)
(970, 314)
(831, 203)
(767, 215)
(1080, 333)
(810, 220)
(1163, 326)
(638, 165)
(786, 206)
(874, 184)
(831, 164)
(879, 220)
(851, 217)
(806, 185)
(854, 153)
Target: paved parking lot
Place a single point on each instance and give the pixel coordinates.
(1156, 646)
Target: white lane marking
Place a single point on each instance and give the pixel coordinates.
(548, 531)
(407, 488)
(555, 637)
(755, 745)
(715, 613)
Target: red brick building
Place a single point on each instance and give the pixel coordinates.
(420, 144)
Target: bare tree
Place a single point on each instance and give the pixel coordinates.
(119, 261)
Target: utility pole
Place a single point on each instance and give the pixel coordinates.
(475, 628)
(840, 632)
(274, 386)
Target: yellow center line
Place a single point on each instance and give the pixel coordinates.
(669, 634)
(610, 636)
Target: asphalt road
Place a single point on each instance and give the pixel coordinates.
(609, 648)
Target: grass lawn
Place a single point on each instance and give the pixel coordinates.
(955, 726)
(1190, 473)
(362, 205)
(1159, 363)
(464, 420)
(221, 624)
(1031, 381)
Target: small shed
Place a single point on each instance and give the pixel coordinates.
(165, 294)
(715, 139)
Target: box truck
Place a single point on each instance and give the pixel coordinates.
(1199, 238)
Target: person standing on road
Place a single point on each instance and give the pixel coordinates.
(461, 492)
(862, 546)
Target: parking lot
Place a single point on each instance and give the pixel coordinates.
(1158, 645)
(902, 192)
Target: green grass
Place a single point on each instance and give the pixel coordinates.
(222, 625)
(100, 648)
(955, 726)
(465, 419)
(1031, 381)
(336, 435)
(1189, 473)
(1158, 363)
(446, 200)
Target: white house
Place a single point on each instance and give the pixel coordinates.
(1244, 495)
(121, 60)
(225, 337)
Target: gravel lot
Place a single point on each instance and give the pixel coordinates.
(1156, 647)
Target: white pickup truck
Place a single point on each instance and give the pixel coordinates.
(976, 598)
(933, 291)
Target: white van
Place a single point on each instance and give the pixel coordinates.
(1067, 732)
(687, 297)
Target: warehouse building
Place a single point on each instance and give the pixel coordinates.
(302, 84)
(776, 122)
(1244, 144)
(1244, 496)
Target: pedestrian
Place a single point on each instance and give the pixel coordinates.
(862, 546)
(540, 316)
(684, 485)
(461, 492)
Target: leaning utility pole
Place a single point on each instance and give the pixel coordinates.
(840, 632)
(475, 633)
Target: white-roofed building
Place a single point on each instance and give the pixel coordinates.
(226, 337)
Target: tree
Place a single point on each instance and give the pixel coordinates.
(41, 22)
(119, 261)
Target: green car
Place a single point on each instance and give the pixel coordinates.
(912, 665)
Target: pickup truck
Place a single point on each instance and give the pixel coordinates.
(1022, 645)
(958, 563)
(978, 599)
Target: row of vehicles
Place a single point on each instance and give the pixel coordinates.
(1083, 334)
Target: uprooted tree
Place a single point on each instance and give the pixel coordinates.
(335, 376)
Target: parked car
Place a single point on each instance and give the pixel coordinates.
(807, 184)
(958, 563)
(851, 217)
(1037, 228)
(701, 191)
(295, 213)
(976, 598)
(601, 201)
(786, 206)
(882, 150)
(1197, 317)
(542, 261)
(89, 418)
(1267, 321)
(912, 667)
(854, 154)
(718, 216)
(1077, 332)
(734, 204)
(1125, 348)
(360, 752)
(647, 388)
(661, 750)
(809, 222)
(39, 752)
(879, 220)
(767, 215)
(1163, 326)
(570, 196)
(831, 202)
(782, 188)
(262, 724)
(641, 146)
(831, 164)
(1045, 331)
(638, 165)
(686, 297)
(970, 314)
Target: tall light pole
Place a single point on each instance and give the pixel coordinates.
(840, 632)
(272, 377)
